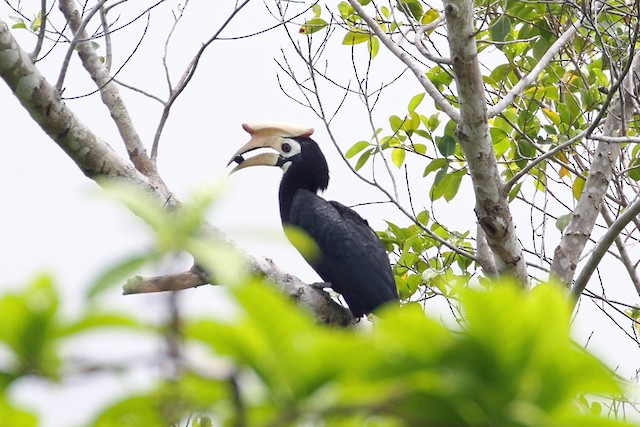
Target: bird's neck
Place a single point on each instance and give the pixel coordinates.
(289, 186)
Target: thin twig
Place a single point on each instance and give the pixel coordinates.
(41, 31)
(186, 78)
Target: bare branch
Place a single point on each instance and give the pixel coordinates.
(525, 171)
(92, 155)
(79, 35)
(418, 43)
(107, 40)
(616, 139)
(186, 78)
(412, 64)
(41, 31)
(311, 297)
(602, 247)
(108, 90)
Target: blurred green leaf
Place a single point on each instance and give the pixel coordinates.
(119, 272)
(373, 45)
(12, 416)
(92, 320)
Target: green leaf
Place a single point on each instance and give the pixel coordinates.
(14, 416)
(119, 272)
(553, 116)
(397, 156)
(373, 45)
(30, 319)
(356, 148)
(577, 187)
(513, 193)
(430, 16)
(500, 29)
(446, 145)
(634, 169)
(433, 122)
(93, 320)
(317, 10)
(563, 221)
(345, 10)
(396, 123)
(19, 22)
(304, 243)
(313, 25)
(434, 165)
(415, 101)
(411, 8)
(35, 25)
(453, 185)
(202, 421)
(363, 159)
(353, 37)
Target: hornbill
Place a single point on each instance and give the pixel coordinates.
(345, 251)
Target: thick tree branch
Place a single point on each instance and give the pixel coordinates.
(96, 159)
(492, 207)
(567, 253)
(311, 297)
(92, 155)
(108, 91)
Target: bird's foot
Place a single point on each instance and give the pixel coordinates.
(320, 285)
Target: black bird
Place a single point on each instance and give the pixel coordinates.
(335, 240)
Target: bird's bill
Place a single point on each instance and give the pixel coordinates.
(263, 159)
(265, 135)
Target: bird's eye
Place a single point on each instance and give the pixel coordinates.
(286, 147)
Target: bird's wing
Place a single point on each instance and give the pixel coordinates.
(352, 257)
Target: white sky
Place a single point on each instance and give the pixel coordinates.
(56, 220)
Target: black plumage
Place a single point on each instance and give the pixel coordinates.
(349, 254)
(351, 257)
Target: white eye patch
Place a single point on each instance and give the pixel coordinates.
(289, 148)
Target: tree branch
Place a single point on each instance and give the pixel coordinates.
(492, 207)
(312, 298)
(602, 247)
(186, 78)
(41, 31)
(412, 64)
(535, 72)
(567, 253)
(96, 159)
(108, 90)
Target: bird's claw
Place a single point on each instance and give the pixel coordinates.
(320, 285)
